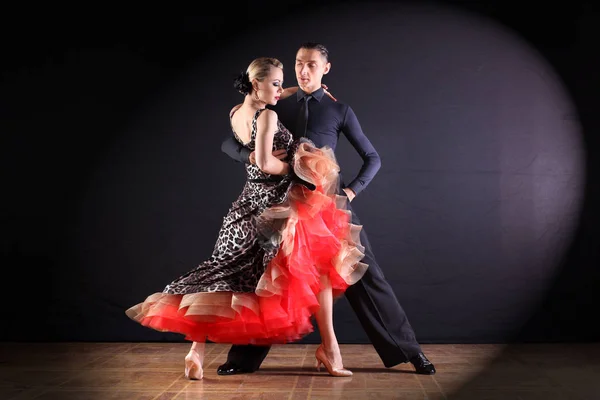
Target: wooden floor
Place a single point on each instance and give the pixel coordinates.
(99, 371)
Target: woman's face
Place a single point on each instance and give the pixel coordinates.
(270, 89)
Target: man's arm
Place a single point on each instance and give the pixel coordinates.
(371, 161)
(235, 150)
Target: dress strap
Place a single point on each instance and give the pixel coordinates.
(256, 114)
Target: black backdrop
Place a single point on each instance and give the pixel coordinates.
(483, 216)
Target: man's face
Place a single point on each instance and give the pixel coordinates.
(310, 68)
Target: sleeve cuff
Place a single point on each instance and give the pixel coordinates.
(356, 187)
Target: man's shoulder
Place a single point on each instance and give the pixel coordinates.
(335, 104)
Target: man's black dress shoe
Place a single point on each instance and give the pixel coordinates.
(230, 368)
(422, 364)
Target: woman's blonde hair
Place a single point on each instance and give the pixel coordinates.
(258, 69)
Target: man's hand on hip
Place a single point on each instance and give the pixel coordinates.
(349, 193)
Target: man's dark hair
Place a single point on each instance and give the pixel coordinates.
(316, 46)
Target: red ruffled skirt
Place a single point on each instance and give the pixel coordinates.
(318, 245)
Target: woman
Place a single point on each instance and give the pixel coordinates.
(285, 250)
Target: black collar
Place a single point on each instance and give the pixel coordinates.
(317, 94)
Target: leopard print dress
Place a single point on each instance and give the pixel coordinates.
(240, 257)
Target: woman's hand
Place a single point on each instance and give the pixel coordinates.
(324, 86)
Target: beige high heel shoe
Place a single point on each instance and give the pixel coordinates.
(323, 360)
(193, 366)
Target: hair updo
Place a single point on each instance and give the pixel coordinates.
(242, 83)
(258, 69)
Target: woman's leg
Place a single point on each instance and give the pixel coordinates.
(328, 353)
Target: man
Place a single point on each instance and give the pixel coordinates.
(321, 119)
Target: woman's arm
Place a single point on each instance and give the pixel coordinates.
(266, 125)
(287, 92)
